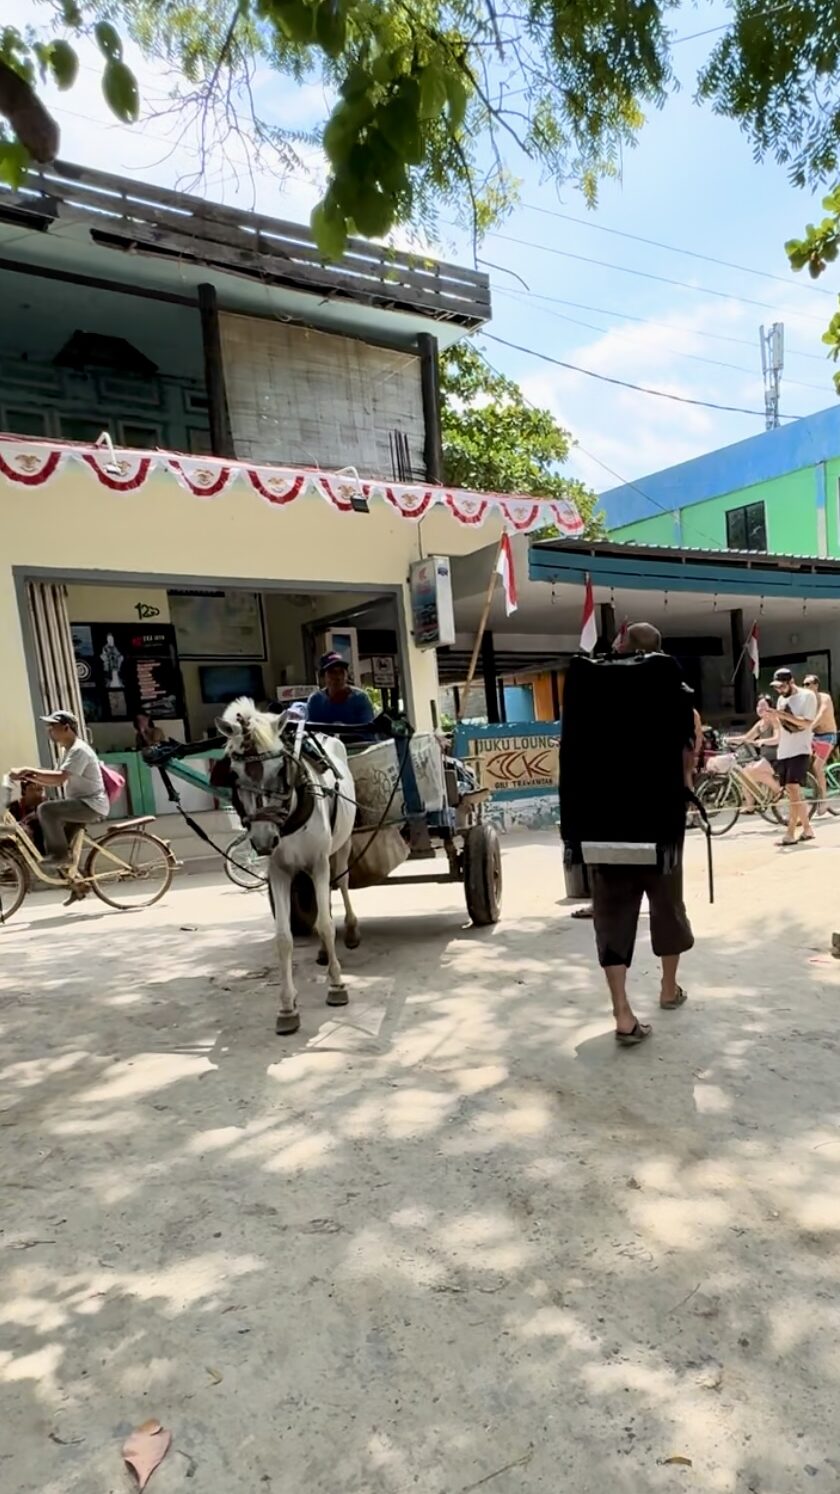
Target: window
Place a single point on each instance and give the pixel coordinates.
(746, 528)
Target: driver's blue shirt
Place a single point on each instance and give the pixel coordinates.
(354, 710)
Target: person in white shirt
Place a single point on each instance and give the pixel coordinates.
(79, 774)
(795, 713)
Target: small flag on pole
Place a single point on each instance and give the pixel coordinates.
(752, 650)
(504, 568)
(588, 626)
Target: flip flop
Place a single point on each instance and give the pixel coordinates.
(641, 1031)
(680, 998)
(786, 842)
(587, 912)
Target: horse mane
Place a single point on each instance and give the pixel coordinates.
(261, 727)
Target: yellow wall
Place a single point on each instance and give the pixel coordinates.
(73, 523)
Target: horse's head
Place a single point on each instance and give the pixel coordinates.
(265, 770)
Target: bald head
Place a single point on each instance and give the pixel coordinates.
(643, 638)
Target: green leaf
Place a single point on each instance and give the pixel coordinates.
(331, 27)
(329, 230)
(119, 86)
(297, 19)
(456, 95)
(70, 14)
(433, 94)
(373, 212)
(14, 161)
(108, 41)
(64, 64)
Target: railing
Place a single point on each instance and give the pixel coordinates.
(127, 215)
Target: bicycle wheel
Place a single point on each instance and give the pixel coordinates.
(14, 883)
(129, 869)
(721, 800)
(810, 793)
(832, 784)
(243, 866)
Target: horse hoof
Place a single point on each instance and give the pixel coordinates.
(352, 938)
(323, 957)
(337, 996)
(287, 1023)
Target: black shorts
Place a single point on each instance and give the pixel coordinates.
(617, 893)
(793, 769)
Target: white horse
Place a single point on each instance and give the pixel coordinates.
(301, 815)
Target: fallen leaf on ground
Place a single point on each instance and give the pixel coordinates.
(215, 1376)
(676, 1458)
(145, 1449)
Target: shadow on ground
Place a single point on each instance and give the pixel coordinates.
(452, 1240)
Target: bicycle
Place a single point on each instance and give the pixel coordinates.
(725, 795)
(124, 856)
(243, 866)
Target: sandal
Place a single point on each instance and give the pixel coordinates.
(641, 1031)
(587, 912)
(680, 998)
(786, 841)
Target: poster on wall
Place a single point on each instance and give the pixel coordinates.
(218, 624)
(123, 669)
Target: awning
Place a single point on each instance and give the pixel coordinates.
(33, 464)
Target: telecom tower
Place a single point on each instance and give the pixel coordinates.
(772, 363)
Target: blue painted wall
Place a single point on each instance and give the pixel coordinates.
(770, 454)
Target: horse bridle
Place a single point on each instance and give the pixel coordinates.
(276, 809)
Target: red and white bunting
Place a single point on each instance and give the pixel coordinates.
(32, 464)
(752, 650)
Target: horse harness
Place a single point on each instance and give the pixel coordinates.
(273, 808)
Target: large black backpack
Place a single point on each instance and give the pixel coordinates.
(626, 724)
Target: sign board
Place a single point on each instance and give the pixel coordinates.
(432, 610)
(289, 693)
(124, 668)
(512, 761)
(383, 669)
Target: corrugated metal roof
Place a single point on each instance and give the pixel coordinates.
(777, 560)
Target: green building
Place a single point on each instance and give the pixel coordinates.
(778, 492)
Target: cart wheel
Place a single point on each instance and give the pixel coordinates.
(304, 907)
(483, 874)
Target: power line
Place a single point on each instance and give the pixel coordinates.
(676, 352)
(605, 264)
(676, 249)
(625, 482)
(727, 26)
(628, 316)
(680, 399)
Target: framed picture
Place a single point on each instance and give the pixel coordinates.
(218, 624)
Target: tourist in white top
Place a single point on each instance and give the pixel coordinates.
(795, 713)
(80, 775)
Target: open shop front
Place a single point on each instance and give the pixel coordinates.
(137, 582)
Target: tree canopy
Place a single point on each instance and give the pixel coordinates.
(434, 99)
(496, 441)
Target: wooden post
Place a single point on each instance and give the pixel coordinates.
(430, 391)
(742, 680)
(221, 439)
(482, 624)
(495, 713)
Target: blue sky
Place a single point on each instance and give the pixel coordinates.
(691, 182)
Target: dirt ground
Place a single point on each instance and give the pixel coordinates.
(448, 1239)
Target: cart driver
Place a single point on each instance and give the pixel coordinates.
(338, 703)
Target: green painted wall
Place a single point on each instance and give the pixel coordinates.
(790, 504)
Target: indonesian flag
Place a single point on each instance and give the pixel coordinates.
(504, 568)
(752, 650)
(588, 626)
